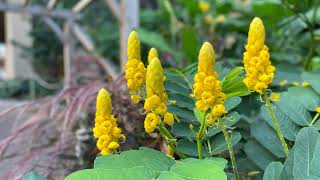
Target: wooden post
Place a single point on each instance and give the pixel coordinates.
(129, 19)
(17, 28)
(68, 51)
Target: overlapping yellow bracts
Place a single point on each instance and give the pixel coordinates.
(258, 67)
(155, 103)
(105, 128)
(153, 53)
(135, 69)
(207, 88)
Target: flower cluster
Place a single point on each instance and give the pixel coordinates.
(207, 88)
(153, 53)
(258, 67)
(105, 128)
(155, 103)
(135, 69)
(204, 6)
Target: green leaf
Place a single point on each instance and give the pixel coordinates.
(308, 140)
(313, 79)
(232, 84)
(288, 128)
(182, 100)
(181, 129)
(209, 169)
(169, 176)
(306, 96)
(273, 171)
(190, 148)
(231, 119)
(273, 9)
(257, 154)
(190, 43)
(133, 173)
(219, 144)
(232, 102)
(184, 114)
(294, 110)
(146, 157)
(199, 115)
(176, 76)
(287, 72)
(175, 87)
(154, 39)
(287, 170)
(33, 176)
(266, 136)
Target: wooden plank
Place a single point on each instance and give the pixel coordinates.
(129, 20)
(38, 11)
(68, 52)
(114, 7)
(54, 27)
(80, 5)
(51, 4)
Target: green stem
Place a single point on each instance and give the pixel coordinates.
(200, 135)
(166, 131)
(229, 145)
(314, 119)
(169, 141)
(276, 124)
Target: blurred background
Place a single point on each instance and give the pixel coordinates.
(55, 56)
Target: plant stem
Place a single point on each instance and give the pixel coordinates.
(314, 119)
(166, 131)
(200, 135)
(229, 145)
(276, 124)
(169, 141)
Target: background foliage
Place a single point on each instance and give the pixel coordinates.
(177, 29)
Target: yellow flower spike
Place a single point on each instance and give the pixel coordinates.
(105, 128)
(103, 103)
(256, 35)
(153, 53)
(155, 79)
(207, 88)
(134, 46)
(206, 59)
(135, 69)
(204, 6)
(258, 67)
(317, 109)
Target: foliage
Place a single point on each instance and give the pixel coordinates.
(148, 164)
(292, 31)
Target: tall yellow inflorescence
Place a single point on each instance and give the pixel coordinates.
(105, 127)
(258, 67)
(135, 69)
(153, 53)
(207, 88)
(155, 103)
